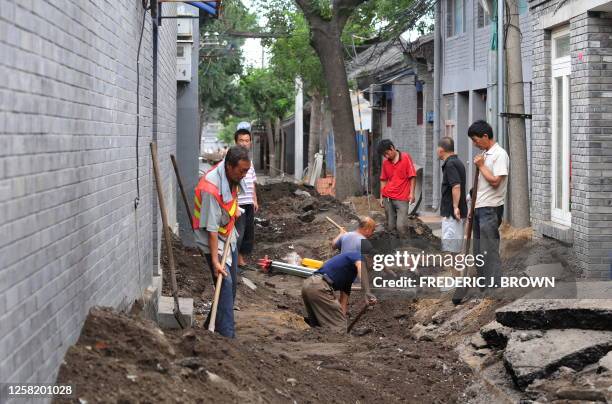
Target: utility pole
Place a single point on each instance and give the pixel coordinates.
(299, 129)
(518, 179)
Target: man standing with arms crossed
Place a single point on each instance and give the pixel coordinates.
(215, 211)
(397, 182)
(247, 201)
(493, 166)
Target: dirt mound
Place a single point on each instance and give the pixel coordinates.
(131, 360)
(192, 276)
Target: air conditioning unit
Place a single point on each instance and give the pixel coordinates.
(184, 27)
(183, 60)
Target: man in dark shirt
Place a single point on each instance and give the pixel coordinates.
(337, 274)
(453, 207)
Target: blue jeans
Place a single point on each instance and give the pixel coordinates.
(224, 322)
(486, 240)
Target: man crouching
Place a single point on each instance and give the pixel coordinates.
(337, 274)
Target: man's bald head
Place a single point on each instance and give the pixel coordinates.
(366, 226)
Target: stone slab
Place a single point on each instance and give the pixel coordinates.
(166, 317)
(590, 314)
(605, 363)
(495, 334)
(528, 359)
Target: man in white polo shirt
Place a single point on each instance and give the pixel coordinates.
(248, 200)
(493, 165)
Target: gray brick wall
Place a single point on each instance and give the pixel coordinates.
(403, 132)
(67, 170)
(591, 144)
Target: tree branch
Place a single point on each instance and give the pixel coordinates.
(309, 11)
(343, 9)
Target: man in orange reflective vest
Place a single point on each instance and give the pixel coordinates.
(215, 212)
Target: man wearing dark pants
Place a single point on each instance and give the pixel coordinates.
(337, 274)
(247, 202)
(397, 182)
(493, 166)
(214, 216)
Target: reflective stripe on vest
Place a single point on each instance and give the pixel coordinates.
(231, 207)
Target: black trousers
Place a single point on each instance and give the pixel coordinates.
(245, 225)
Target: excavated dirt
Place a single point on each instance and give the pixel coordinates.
(276, 356)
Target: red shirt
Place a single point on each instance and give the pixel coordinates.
(398, 177)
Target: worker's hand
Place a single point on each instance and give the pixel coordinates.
(342, 230)
(380, 202)
(219, 270)
(479, 160)
(457, 213)
(255, 205)
(370, 299)
(412, 199)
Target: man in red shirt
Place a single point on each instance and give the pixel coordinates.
(397, 181)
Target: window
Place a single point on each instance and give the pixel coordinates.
(522, 6)
(484, 19)
(560, 153)
(449, 115)
(389, 109)
(180, 51)
(455, 16)
(419, 107)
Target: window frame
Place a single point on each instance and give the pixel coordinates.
(419, 108)
(560, 69)
(389, 111)
(451, 29)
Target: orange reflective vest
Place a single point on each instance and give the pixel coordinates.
(231, 207)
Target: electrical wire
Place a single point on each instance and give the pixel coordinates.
(144, 16)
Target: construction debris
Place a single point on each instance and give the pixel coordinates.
(589, 314)
(539, 355)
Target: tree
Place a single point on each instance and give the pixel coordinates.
(327, 21)
(293, 56)
(221, 63)
(271, 98)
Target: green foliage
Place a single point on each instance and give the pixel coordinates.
(226, 134)
(293, 56)
(221, 62)
(270, 95)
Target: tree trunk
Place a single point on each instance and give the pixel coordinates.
(277, 143)
(518, 178)
(271, 149)
(315, 129)
(283, 146)
(325, 39)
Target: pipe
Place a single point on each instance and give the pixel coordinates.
(437, 107)
(501, 43)
(291, 269)
(212, 10)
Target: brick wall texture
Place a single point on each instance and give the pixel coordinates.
(71, 238)
(590, 142)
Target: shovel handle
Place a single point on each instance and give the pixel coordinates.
(334, 223)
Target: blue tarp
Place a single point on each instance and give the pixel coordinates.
(330, 154)
(211, 8)
(362, 154)
(361, 140)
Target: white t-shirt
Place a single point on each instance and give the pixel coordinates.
(249, 180)
(498, 162)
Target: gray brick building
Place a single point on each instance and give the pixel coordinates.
(397, 79)
(465, 37)
(72, 237)
(572, 128)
